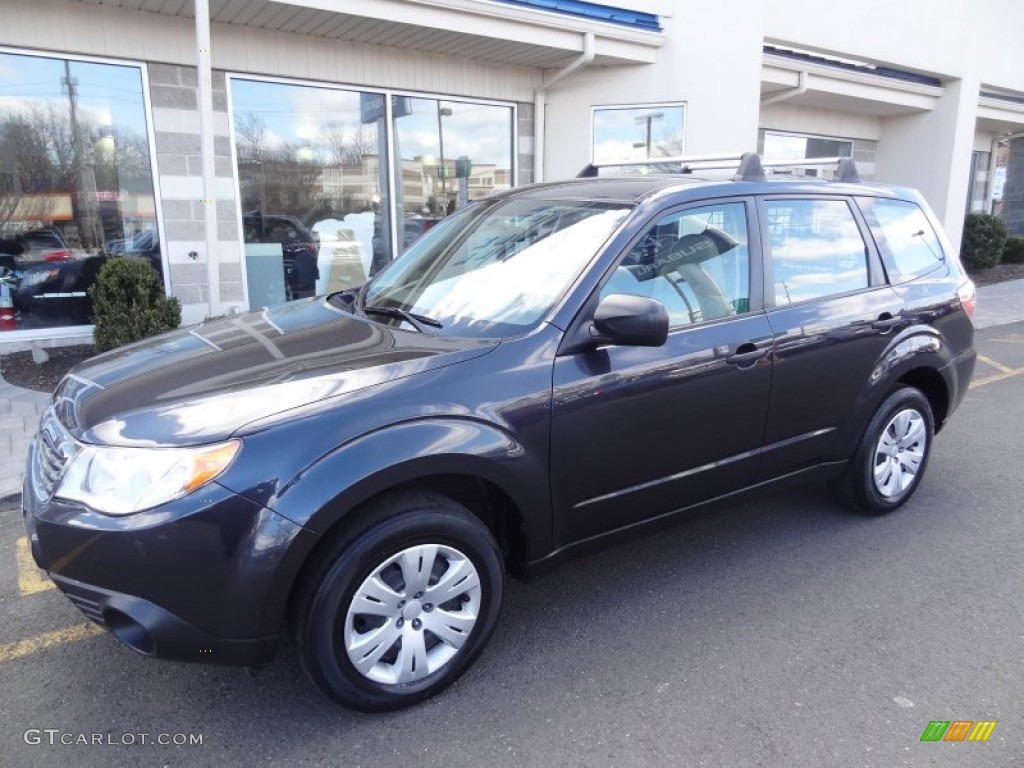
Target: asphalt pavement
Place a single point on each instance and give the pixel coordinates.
(781, 632)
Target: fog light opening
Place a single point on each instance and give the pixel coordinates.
(129, 631)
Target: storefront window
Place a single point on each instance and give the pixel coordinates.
(76, 184)
(787, 146)
(641, 133)
(451, 152)
(312, 173)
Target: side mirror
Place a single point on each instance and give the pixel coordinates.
(630, 321)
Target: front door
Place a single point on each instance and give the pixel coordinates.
(637, 432)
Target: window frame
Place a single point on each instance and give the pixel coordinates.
(154, 174)
(755, 279)
(875, 272)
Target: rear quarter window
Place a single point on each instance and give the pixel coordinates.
(906, 241)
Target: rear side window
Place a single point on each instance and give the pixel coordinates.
(905, 238)
(816, 249)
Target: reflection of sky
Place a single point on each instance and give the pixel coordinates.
(108, 94)
(616, 131)
(517, 289)
(297, 115)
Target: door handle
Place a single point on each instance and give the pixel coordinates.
(747, 354)
(886, 322)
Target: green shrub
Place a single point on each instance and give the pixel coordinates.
(129, 304)
(1013, 251)
(983, 241)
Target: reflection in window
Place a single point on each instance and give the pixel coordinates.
(494, 270)
(906, 241)
(785, 146)
(816, 249)
(451, 152)
(638, 133)
(313, 184)
(75, 183)
(695, 262)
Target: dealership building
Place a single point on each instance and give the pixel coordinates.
(258, 152)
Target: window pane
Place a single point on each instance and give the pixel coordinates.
(695, 262)
(312, 179)
(76, 183)
(452, 152)
(495, 269)
(784, 146)
(905, 238)
(816, 249)
(637, 133)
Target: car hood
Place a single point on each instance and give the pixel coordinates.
(206, 383)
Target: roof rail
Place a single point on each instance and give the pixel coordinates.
(751, 166)
(682, 161)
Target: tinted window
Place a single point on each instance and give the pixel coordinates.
(906, 241)
(695, 262)
(816, 249)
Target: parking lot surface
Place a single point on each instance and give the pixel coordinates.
(781, 632)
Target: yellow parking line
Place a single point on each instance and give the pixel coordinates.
(30, 578)
(994, 364)
(996, 377)
(11, 651)
(1015, 338)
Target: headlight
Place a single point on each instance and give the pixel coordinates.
(119, 481)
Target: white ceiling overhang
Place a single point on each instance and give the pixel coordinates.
(840, 89)
(479, 29)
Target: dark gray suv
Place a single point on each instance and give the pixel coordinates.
(543, 372)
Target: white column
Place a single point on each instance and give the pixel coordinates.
(206, 127)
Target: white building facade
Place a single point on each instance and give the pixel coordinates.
(257, 152)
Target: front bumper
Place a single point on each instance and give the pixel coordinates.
(203, 578)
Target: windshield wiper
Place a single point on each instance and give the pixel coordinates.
(419, 322)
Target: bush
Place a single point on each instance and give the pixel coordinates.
(129, 304)
(1013, 251)
(983, 241)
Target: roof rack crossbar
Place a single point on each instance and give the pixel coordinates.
(751, 166)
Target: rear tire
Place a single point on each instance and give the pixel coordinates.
(401, 603)
(892, 455)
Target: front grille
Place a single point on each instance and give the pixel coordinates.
(52, 451)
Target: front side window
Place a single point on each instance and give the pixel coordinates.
(493, 269)
(695, 262)
(905, 238)
(816, 249)
(76, 183)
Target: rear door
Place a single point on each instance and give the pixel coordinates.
(832, 314)
(638, 431)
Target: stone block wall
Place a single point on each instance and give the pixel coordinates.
(174, 92)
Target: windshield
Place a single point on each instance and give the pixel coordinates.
(494, 269)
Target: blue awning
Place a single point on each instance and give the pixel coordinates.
(594, 11)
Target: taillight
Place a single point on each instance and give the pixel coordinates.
(968, 296)
(60, 254)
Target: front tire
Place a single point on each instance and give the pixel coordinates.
(400, 605)
(892, 456)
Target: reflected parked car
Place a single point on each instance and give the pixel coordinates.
(299, 247)
(27, 249)
(58, 290)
